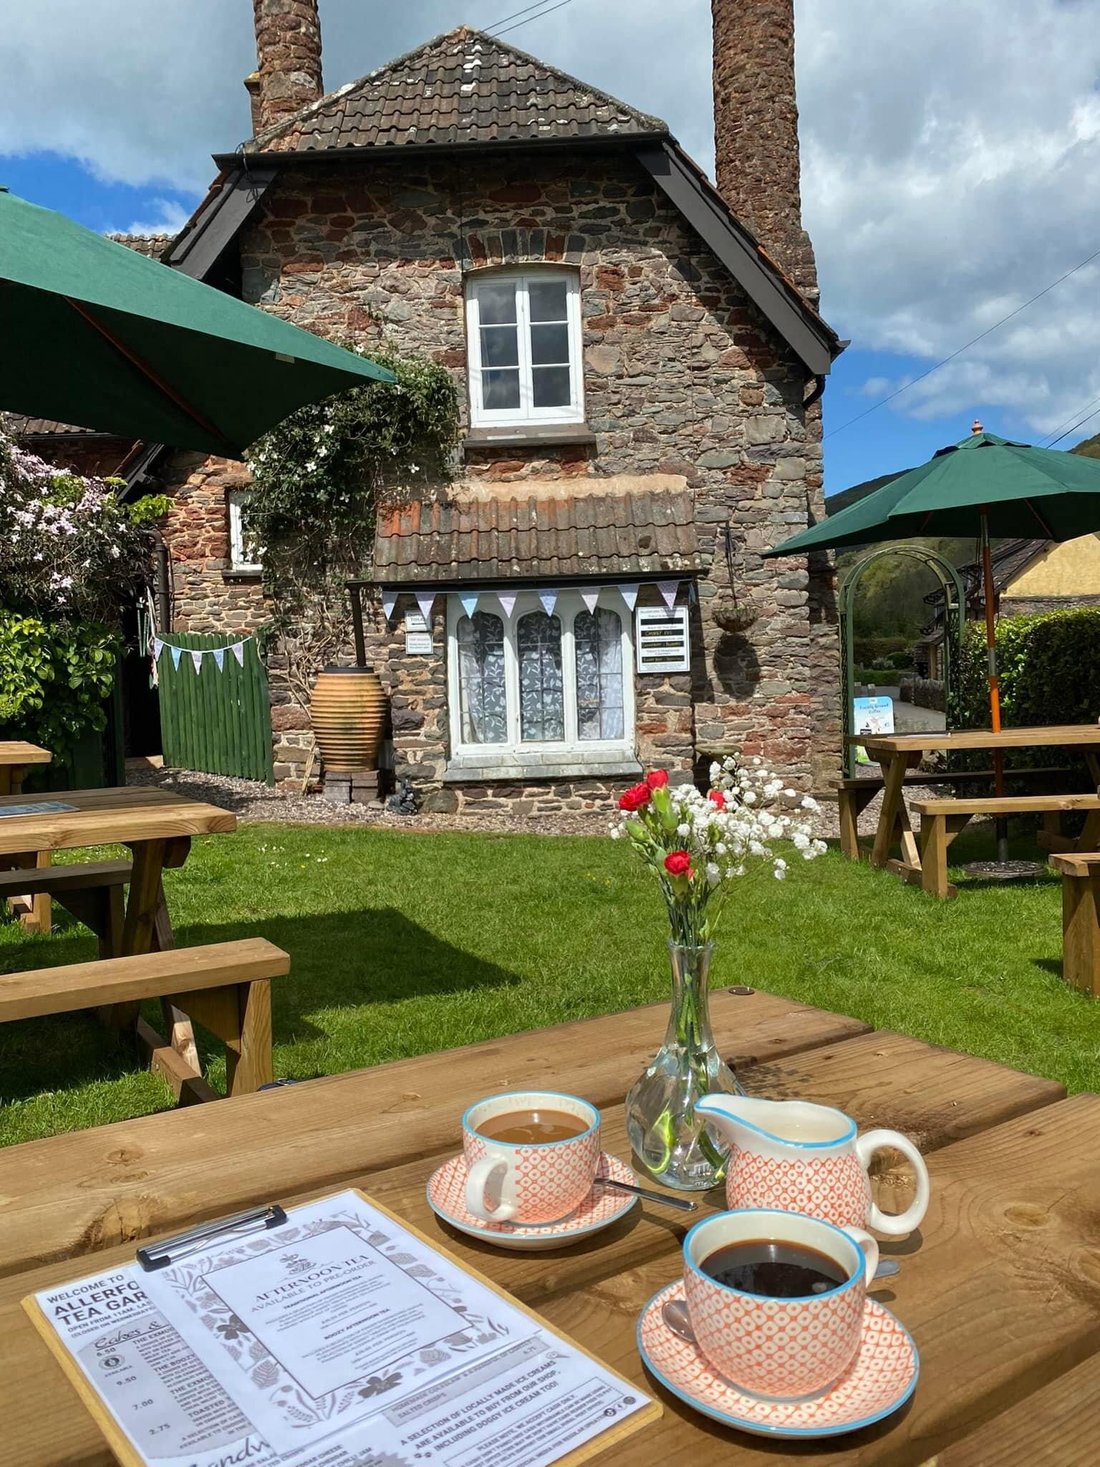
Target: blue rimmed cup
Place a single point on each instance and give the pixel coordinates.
(539, 1182)
(778, 1348)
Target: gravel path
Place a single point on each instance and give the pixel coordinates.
(252, 801)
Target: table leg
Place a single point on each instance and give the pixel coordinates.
(147, 928)
(893, 814)
(1092, 762)
(39, 915)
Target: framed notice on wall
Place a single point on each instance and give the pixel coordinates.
(418, 635)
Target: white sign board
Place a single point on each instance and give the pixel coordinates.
(418, 635)
(873, 715)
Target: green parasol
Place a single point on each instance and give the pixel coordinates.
(99, 335)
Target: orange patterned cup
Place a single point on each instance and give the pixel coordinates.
(533, 1183)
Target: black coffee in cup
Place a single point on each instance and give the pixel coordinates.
(776, 1270)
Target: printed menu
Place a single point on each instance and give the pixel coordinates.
(341, 1338)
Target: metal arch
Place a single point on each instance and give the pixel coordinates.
(954, 596)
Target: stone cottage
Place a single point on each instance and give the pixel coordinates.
(639, 359)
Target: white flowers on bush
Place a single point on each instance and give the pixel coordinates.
(698, 844)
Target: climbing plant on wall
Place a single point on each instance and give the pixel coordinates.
(317, 481)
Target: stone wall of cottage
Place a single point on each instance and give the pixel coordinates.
(682, 376)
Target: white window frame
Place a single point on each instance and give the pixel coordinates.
(237, 499)
(526, 413)
(569, 605)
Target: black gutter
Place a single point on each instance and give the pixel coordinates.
(376, 152)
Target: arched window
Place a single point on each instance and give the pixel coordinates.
(541, 692)
(598, 639)
(483, 709)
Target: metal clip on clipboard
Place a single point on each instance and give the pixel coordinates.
(240, 1225)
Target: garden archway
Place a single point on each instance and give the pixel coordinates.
(954, 602)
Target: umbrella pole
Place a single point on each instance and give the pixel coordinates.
(994, 689)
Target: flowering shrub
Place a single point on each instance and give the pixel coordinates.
(69, 548)
(697, 845)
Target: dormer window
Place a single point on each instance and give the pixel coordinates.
(524, 332)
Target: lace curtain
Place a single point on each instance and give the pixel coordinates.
(482, 699)
(541, 694)
(599, 651)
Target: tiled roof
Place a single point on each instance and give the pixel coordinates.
(462, 87)
(21, 427)
(153, 245)
(503, 539)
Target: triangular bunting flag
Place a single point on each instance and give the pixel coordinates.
(629, 594)
(196, 659)
(389, 601)
(158, 648)
(219, 657)
(426, 600)
(549, 600)
(469, 602)
(177, 653)
(590, 598)
(237, 650)
(669, 590)
(507, 601)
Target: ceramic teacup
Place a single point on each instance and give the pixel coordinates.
(529, 1183)
(779, 1348)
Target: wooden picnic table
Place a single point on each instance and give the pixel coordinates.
(157, 825)
(1000, 1288)
(898, 753)
(15, 759)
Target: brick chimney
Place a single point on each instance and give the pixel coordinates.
(756, 129)
(288, 46)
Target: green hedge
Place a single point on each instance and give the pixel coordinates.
(878, 677)
(54, 679)
(1049, 669)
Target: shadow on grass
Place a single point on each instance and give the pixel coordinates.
(338, 960)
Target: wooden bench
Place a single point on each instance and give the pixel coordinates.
(942, 819)
(225, 986)
(91, 892)
(854, 795)
(1080, 920)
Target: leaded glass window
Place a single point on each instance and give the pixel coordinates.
(482, 698)
(598, 641)
(541, 694)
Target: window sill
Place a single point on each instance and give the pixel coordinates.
(529, 435)
(255, 576)
(485, 768)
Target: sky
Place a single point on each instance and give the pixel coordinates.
(950, 165)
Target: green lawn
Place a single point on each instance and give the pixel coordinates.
(406, 943)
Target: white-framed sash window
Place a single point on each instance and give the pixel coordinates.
(539, 680)
(524, 341)
(243, 551)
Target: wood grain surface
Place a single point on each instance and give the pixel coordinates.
(102, 817)
(1048, 735)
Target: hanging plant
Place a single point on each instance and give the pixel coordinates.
(730, 614)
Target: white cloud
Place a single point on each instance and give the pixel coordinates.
(168, 217)
(951, 149)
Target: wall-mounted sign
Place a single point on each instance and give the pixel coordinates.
(418, 636)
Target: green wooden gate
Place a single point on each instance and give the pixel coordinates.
(212, 718)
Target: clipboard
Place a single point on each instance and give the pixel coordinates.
(127, 1454)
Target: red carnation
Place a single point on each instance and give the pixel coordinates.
(717, 799)
(678, 863)
(634, 798)
(656, 779)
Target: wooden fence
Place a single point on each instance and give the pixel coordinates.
(212, 718)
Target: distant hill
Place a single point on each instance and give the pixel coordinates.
(1090, 447)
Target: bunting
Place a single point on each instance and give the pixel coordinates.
(196, 654)
(177, 653)
(669, 591)
(507, 601)
(389, 601)
(219, 657)
(590, 598)
(469, 601)
(426, 601)
(549, 600)
(629, 593)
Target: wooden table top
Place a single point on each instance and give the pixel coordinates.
(15, 751)
(1067, 734)
(101, 817)
(1000, 1288)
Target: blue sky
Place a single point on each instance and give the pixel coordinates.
(944, 181)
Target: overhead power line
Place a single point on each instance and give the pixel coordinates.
(504, 29)
(1079, 424)
(496, 25)
(965, 347)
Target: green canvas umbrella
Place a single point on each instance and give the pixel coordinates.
(96, 334)
(985, 484)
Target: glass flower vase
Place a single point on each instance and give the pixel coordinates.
(675, 1147)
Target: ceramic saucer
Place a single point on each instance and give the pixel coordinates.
(881, 1378)
(603, 1206)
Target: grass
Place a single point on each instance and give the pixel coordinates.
(402, 944)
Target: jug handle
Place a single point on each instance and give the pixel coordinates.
(903, 1222)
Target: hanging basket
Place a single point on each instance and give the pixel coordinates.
(732, 616)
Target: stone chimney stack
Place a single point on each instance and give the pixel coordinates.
(756, 129)
(288, 46)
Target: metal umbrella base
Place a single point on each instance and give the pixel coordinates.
(1005, 870)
